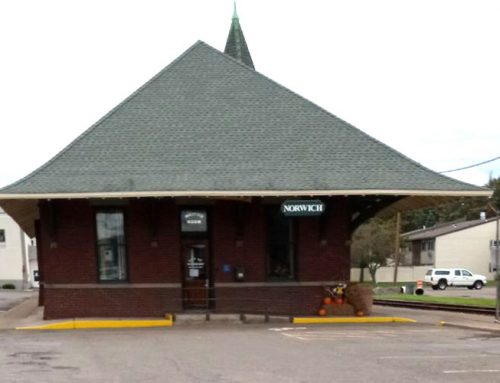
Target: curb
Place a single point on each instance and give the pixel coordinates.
(468, 327)
(318, 320)
(77, 324)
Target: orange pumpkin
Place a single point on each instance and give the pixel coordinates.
(339, 301)
(360, 313)
(327, 301)
(321, 312)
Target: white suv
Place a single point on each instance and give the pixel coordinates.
(442, 278)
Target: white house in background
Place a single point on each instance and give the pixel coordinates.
(18, 258)
(467, 244)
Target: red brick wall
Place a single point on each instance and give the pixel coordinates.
(68, 253)
(278, 300)
(248, 250)
(111, 302)
(153, 260)
(325, 257)
(70, 258)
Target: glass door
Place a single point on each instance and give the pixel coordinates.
(195, 274)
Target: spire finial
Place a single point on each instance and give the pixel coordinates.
(235, 14)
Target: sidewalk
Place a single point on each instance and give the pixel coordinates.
(28, 314)
(442, 318)
(25, 312)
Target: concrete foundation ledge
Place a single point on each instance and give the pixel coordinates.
(319, 320)
(200, 318)
(80, 324)
(206, 317)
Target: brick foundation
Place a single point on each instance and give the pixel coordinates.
(111, 302)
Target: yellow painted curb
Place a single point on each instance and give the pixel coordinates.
(77, 324)
(313, 320)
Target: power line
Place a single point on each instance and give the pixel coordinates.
(471, 166)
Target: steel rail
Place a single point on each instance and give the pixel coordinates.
(436, 306)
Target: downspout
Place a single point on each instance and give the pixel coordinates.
(25, 262)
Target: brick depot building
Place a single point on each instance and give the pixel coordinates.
(210, 186)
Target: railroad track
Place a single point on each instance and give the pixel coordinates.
(436, 306)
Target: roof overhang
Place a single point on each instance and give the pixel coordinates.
(247, 193)
(23, 208)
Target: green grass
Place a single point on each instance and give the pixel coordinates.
(480, 302)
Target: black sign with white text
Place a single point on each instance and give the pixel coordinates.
(302, 208)
(193, 221)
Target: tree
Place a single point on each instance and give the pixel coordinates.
(460, 209)
(494, 184)
(417, 219)
(372, 244)
(375, 262)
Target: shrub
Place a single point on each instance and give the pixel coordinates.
(8, 286)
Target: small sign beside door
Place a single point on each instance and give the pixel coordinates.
(193, 220)
(302, 208)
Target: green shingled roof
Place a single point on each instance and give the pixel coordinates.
(209, 123)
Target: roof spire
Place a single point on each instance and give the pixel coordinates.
(235, 14)
(236, 45)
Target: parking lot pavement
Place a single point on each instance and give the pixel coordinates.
(253, 353)
(485, 292)
(11, 298)
(442, 318)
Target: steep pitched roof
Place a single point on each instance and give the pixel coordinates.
(207, 123)
(236, 45)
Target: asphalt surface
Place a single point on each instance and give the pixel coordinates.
(253, 353)
(440, 347)
(485, 292)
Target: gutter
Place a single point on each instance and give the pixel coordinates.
(248, 193)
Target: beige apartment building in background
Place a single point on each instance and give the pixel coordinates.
(18, 258)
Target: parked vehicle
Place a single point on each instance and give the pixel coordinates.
(442, 278)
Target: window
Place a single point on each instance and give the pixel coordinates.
(457, 273)
(466, 273)
(2, 236)
(111, 245)
(281, 245)
(442, 272)
(427, 245)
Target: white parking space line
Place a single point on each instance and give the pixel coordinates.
(467, 356)
(337, 334)
(469, 371)
(324, 336)
(279, 329)
(332, 336)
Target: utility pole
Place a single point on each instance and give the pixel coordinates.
(396, 246)
(497, 268)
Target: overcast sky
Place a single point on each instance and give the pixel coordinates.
(422, 76)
